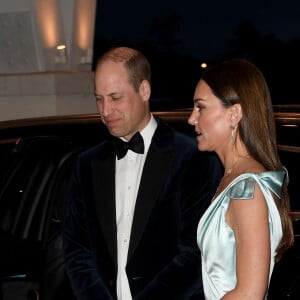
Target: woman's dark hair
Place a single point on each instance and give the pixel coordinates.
(239, 81)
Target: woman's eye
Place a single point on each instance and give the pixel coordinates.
(199, 107)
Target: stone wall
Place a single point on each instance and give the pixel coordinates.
(46, 94)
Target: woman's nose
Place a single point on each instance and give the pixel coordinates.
(192, 120)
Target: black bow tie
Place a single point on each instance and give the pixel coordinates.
(135, 144)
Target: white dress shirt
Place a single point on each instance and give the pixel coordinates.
(128, 175)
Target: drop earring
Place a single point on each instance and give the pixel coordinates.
(233, 136)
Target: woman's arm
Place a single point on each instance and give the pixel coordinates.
(249, 222)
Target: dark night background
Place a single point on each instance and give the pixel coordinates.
(177, 36)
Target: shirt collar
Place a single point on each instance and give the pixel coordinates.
(148, 132)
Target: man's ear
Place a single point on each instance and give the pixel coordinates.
(145, 90)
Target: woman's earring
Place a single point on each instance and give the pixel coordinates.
(233, 136)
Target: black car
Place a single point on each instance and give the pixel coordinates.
(35, 164)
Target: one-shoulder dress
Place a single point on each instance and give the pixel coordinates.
(216, 239)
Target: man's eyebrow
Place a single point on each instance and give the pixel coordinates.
(109, 95)
(97, 95)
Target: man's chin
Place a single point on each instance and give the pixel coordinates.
(114, 132)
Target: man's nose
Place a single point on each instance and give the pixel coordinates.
(105, 108)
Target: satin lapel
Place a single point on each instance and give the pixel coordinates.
(156, 168)
(104, 191)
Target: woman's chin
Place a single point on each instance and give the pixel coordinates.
(200, 143)
(202, 146)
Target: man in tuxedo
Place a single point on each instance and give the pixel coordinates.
(136, 199)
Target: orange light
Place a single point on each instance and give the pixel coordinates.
(289, 125)
(84, 20)
(49, 22)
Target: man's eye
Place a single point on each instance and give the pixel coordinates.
(98, 99)
(116, 97)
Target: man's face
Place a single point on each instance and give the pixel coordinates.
(123, 110)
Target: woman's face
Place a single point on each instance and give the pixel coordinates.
(211, 120)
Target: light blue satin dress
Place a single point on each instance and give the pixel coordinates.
(216, 239)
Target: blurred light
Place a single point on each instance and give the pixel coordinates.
(84, 20)
(19, 276)
(61, 47)
(61, 55)
(289, 125)
(203, 65)
(49, 22)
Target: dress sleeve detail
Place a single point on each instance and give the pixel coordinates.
(273, 181)
(244, 186)
(244, 189)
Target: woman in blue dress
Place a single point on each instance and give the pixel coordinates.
(247, 227)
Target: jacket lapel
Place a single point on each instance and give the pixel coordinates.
(103, 171)
(156, 168)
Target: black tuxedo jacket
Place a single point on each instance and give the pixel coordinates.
(164, 261)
